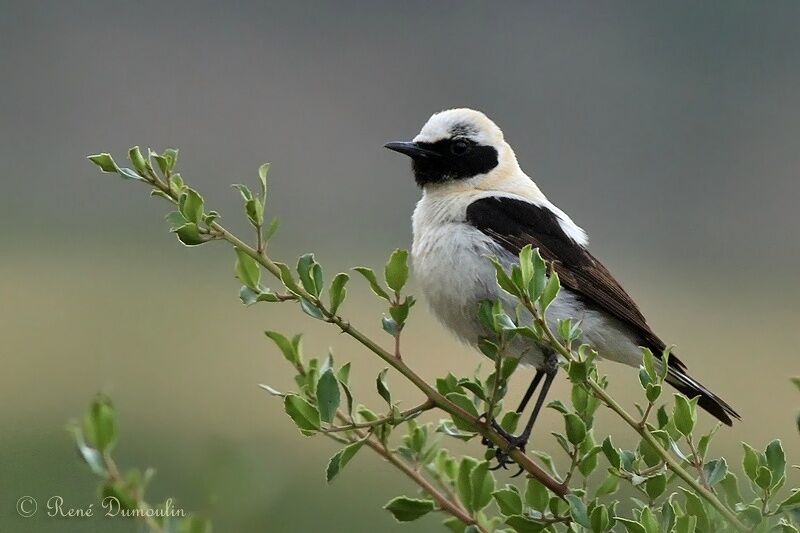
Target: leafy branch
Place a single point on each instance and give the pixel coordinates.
(465, 488)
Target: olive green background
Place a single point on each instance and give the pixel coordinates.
(669, 131)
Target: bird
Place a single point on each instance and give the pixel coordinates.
(477, 203)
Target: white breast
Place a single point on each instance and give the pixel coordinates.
(451, 262)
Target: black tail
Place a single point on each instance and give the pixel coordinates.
(678, 378)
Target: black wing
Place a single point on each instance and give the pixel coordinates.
(514, 223)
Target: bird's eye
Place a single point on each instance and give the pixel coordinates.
(459, 147)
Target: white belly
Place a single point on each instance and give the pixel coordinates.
(451, 263)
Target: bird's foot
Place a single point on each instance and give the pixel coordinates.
(503, 456)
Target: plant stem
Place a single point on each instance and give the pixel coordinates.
(404, 415)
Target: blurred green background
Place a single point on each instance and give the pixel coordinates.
(669, 130)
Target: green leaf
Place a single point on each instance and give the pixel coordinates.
(503, 280)
(288, 348)
(508, 500)
(244, 190)
(170, 155)
(274, 392)
(263, 170)
(341, 458)
(369, 275)
(526, 267)
(715, 471)
(449, 428)
(176, 220)
(750, 462)
(305, 415)
(509, 421)
(536, 495)
(271, 229)
(328, 397)
(611, 453)
(454, 525)
(90, 456)
(686, 524)
(539, 275)
(248, 296)
(210, 217)
(406, 509)
(550, 291)
(288, 279)
(464, 480)
(190, 204)
(684, 414)
(311, 309)
(655, 486)
(576, 428)
(631, 526)
(482, 484)
(343, 374)
(609, 486)
(577, 510)
(764, 477)
(138, 162)
(524, 524)
(338, 291)
(653, 392)
(255, 212)
(247, 270)
(176, 184)
(695, 507)
(100, 425)
(649, 365)
(383, 389)
(390, 326)
(189, 234)
(305, 267)
(730, 488)
(105, 162)
(790, 503)
(466, 404)
(600, 519)
(648, 520)
(161, 161)
(776, 460)
(396, 270)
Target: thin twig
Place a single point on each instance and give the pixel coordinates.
(404, 416)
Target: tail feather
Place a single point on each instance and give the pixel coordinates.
(716, 406)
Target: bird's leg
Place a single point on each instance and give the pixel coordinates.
(523, 404)
(548, 371)
(537, 378)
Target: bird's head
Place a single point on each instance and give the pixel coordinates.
(458, 145)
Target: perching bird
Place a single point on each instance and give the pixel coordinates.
(477, 203)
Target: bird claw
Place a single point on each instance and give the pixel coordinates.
(503, 457)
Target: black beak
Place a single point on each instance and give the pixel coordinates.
(411, 149)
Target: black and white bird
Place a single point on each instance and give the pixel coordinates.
(477, 203)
